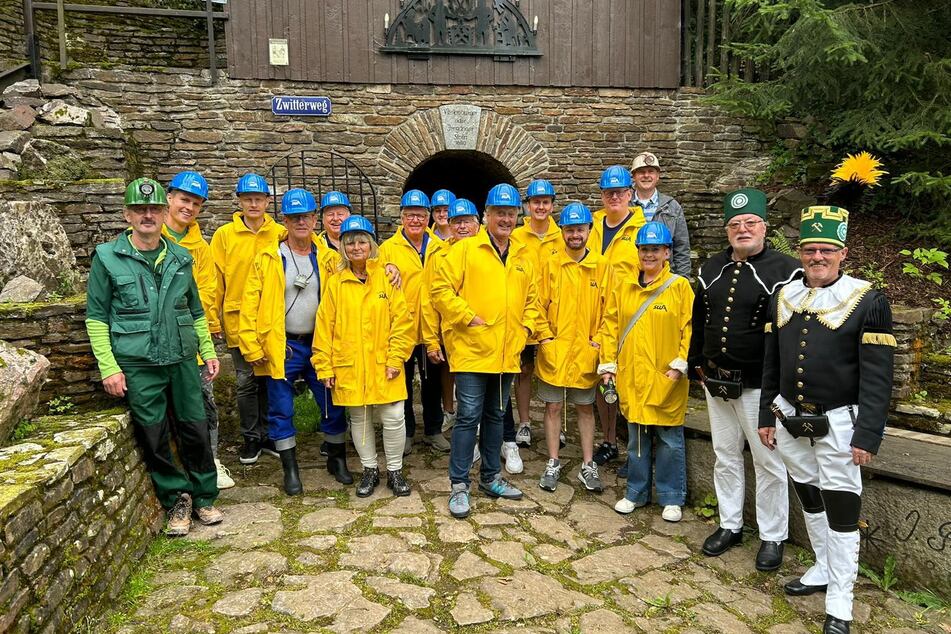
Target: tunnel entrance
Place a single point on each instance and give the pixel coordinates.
(466, 173)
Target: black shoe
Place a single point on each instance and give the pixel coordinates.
(368, 482)
(622, 471)
(292, 484)
(267, 446)
(397, 483)
(770, 556)
(835, 626)
(250, 452)
(337, 462)
(323, 449)
(722, 540)
(796, 588)
(606, 452)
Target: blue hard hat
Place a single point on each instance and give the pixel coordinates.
(503, 195)
(335, 199)
(443, 198)
(356, 223)
(615, 176)
(539, 187)
(252, 184)
(414, 198)
(654, 233)
(297, 201)
(190, 182)
(574, 214)
(462, 207)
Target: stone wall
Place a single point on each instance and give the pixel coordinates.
(78, 511)
(12, 49)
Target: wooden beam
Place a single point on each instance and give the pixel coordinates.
(61, 28)
(212, 62)
(97, 8)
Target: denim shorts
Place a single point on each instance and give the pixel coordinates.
(575, 395)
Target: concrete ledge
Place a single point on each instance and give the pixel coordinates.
(77, 510)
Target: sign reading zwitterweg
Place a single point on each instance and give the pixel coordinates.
(301, 106)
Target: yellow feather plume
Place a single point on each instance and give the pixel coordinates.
(861, 168)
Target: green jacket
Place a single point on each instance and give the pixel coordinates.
(151, 317)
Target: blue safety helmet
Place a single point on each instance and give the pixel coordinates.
(616, 176)
(335, 199)
(414, 198)
(654, 233)
(190, 182)
(443, 198)
(356, 223)
(503, 195)
(539, 187)
(574, 214)
(297, 201)
(252, 184)
(462, 207)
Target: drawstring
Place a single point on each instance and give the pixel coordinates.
(501, 407)
(422, 362)
(639, 441)
(366, 422)
(564, 407)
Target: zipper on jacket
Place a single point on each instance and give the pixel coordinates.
(145, 290)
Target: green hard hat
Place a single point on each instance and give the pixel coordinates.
(145, 191)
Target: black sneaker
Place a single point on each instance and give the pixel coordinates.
(605, 453)
(267, 446)
(396, 482)
(368, 482)
(323, 449)
(250, 452)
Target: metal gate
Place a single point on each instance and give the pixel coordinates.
(320, 171)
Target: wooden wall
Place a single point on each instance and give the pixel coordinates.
(593, 43)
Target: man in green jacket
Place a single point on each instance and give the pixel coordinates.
(146, 324)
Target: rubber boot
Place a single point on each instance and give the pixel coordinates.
(337, 462)
(292, 483)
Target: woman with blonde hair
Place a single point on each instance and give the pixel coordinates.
(362, 338)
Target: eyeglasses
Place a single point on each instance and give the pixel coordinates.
(824, 252)
(746, 224)
(614, 193)
(416, 217)
(299, 217)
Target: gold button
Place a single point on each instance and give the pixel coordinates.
(801, 357)
(733, 281)
(729, 309)
(725, 329)
(739, 265)
(722, 339)
(799, 384)
(808, 317)
(730, 300)
(805, 331)
(799, 370)
(802, 344)
(800, 398)
(722, 349)
(726, 319)
(732, 290)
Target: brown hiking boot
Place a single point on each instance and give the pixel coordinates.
(209, 515)
(179, 517)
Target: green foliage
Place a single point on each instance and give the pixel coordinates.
(925, 261)
(863, 75)
(707, 507)
(920, 396)
(804, 557)
(306, 413)
(873, 274)
(926, 599)
(23, 429)
(61, 405)
(887, 579)
(779, 241)
(944, 308)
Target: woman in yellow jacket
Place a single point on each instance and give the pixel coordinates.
(644, 342)
(362, 338)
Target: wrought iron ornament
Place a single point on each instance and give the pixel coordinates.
(460, 27)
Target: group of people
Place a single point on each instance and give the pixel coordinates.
(593, 309)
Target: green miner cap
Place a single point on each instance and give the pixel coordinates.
(828, 225)
(744, 201)
(144, 191)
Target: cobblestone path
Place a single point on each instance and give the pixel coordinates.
(552, 562)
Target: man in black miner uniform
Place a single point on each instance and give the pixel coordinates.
(726, 353)
(827, 377)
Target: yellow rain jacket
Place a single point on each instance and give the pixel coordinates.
(361, 329)
(399, 251)
(431, 322)
(622, 252)
(571, 298)
(329, 256)
(234, 248)
(657, 343)
(261, 325)
(472, 280)
(542, 248)
(203, 271)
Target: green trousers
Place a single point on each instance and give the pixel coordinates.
(153, 392)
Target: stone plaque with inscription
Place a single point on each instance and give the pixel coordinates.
(460, 126)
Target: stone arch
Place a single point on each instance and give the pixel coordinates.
(423, 135)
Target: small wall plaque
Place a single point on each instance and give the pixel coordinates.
(277, 49)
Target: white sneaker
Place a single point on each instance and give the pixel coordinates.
(523, 437)
(625, 506)
(224, 476)
(513, 461)
(672, 513)
(448, 420)
(476, 455)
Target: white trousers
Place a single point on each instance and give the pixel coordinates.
(827, 466)
(393, 419)
(732, 422)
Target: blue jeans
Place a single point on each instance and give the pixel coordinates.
(280, 398)
(671, 464)
(480, 398)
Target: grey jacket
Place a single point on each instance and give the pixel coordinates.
(671, 214)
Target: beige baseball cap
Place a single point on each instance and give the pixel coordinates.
(645, 159)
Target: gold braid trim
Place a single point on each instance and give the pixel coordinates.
(768, 327)
(849, 302)
(879, 339)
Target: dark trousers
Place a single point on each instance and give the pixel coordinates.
(251, 392)
(430, 378)
(151, 392)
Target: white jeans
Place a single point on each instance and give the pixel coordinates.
(732, 422)
(394, 433)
